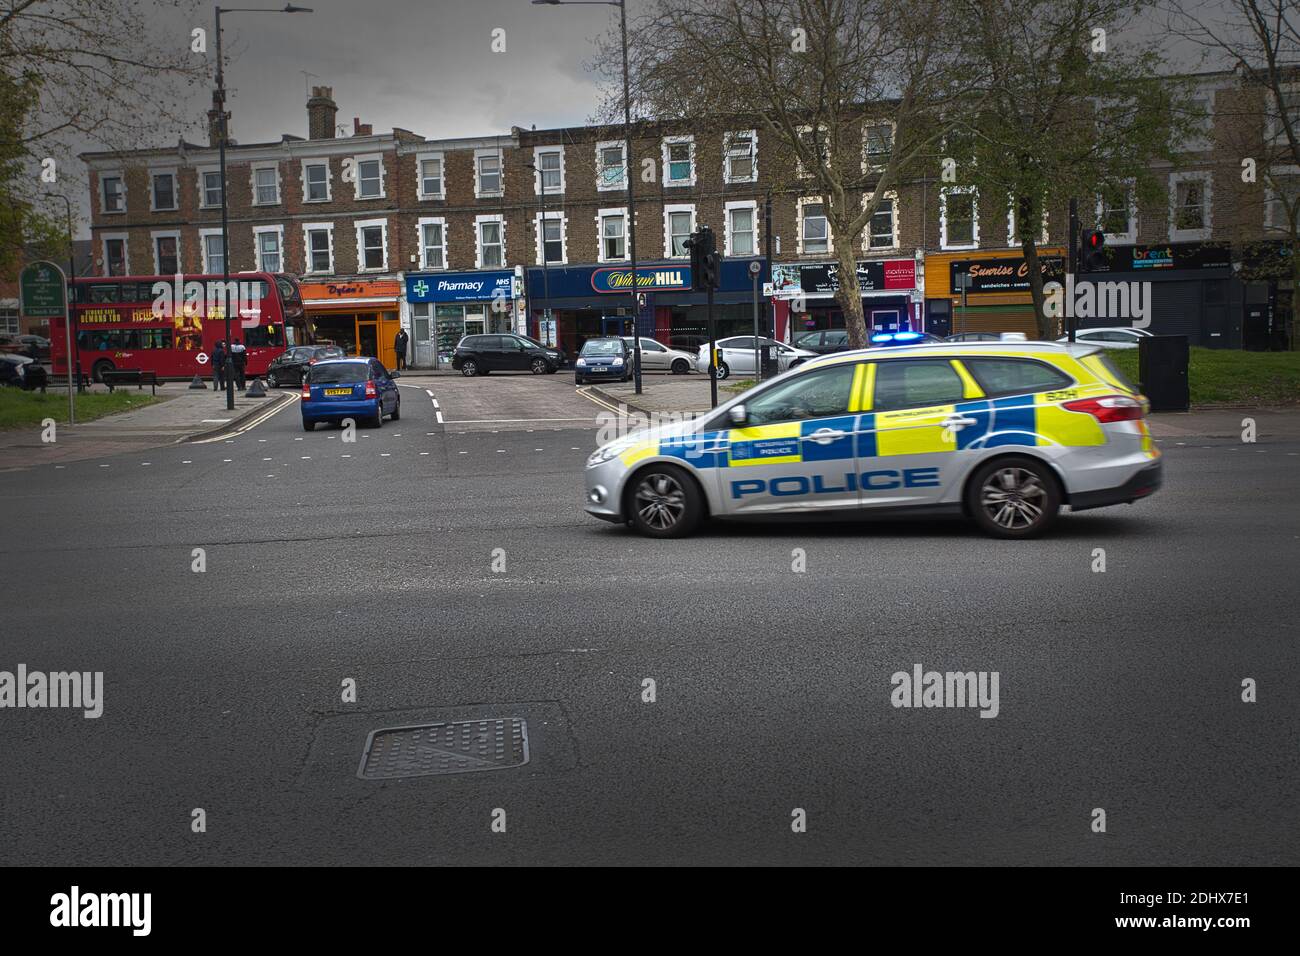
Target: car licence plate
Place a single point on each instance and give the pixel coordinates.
(338, 391)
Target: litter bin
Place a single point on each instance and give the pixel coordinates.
(767, 356)
(1162, 369)
(34, 377)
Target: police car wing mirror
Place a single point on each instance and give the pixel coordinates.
(738, 414)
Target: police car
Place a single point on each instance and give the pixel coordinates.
(1004, 433)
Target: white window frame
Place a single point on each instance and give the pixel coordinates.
(256, 168)
(1191, 235)
(356, 183)
(1128, 237)
(891, 197)
(798, 226)
(382, 225)
(176, 190)
(753, 155)
(105, 238)
(752, 206)
(278, 232)
(420, 243)
(800, 171)
(563, 220)
(667, 143)
(479, 192)
(307, 229)
(202, 173)
(600, 179)
(669, 209)
(10, 309)
(420, 160)
(1202, 140)
(329, 180)
(478, 237)
(944, 193)
(867, 165)
(153, 248)
(601, 215)
(205, 265)
(103, 193)
(1271, 199)
(537, 166)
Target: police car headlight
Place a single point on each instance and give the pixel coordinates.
(581, 362)
(612, 450)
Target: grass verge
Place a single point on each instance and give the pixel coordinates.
(19, 409)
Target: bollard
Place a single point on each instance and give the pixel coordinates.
(198, 383)
(256, 390)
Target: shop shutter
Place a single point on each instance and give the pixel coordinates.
(995, 318)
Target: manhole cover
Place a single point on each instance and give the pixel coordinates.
(459, 746)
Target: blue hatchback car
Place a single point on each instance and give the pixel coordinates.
(357, 388)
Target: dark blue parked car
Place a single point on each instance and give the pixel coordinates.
(357, 388)
(606, 359)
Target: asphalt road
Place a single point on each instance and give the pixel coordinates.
(372, 562)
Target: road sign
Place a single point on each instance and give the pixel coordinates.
(41, 288)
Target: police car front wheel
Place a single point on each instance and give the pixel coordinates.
(665, 502)
(1014, 497)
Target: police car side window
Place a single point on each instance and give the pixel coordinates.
(999, 376)
(915, 383)
(818, 394)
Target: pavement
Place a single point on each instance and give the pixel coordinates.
(442, 568)
(181, 415)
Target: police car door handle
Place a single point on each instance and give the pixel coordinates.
(824, 436)
(957, 421)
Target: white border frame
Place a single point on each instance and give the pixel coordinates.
(1206, 176)
(669, 209)
(890, 196)
(258, 231)
(105, 237)
(601, 214)
(154, 236)
(600, 180)
(176, 190)
(383, 176)
(382, 225)
(726, 155)
(329, 180)
(253, 170)
(420, 194)
(563, 220)
(120, 176)
(537, 173)
(798, 227)
(944, 193)
(204, 236)
(497, 152)
(307, 229)
(420, 244)
(664, 145)
(478, 235)
(752, 206)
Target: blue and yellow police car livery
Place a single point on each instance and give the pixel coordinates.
(1004, 433)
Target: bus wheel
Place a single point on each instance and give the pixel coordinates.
(97, 371)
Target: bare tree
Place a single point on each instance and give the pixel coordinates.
(812, 76)
(109, 74)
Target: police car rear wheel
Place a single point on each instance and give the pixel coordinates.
(665, 503)
(1014, 498)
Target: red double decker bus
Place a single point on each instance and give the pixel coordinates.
(169, 324)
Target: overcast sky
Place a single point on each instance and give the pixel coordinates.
(426, 65)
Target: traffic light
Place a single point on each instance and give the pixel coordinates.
(1092, 250)
(706, 264)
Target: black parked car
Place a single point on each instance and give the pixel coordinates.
(506, 352)
(823, 341)
(289, 366)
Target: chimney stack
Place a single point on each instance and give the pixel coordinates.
(214, 123)
(361, 129)
(321, 110)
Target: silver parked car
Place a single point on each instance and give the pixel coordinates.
(736, 355)
(657, 357)
(1123, 337)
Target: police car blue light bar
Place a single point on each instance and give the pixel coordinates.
(882, 337)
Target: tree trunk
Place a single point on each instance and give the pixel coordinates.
(849, 293)
(1046, 324)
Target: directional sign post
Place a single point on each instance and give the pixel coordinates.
(42, 290)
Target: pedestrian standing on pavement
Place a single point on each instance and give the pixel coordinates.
(239, 357)
(399, 344)
(219, 366)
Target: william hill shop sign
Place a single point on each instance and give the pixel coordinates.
(652, 279)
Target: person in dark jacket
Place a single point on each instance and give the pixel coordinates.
(399, 344)
(239, 358)
(219, 366)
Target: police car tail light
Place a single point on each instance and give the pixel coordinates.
(1108, 408)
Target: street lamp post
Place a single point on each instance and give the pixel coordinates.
(628, 168)
(541, 239)
(219, 101)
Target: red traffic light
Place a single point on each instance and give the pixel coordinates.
(1094, 239)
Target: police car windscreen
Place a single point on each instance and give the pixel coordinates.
(344, 372)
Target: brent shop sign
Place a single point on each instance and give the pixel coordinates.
(459, 286)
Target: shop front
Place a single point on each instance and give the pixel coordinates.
(997, 297)
(359, 315)
(1193, 291)
(445, 307)
(804, 295)
(589, 301)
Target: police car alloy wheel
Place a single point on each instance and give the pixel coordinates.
(1014, 497)
(664, 502)
(469, 369)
